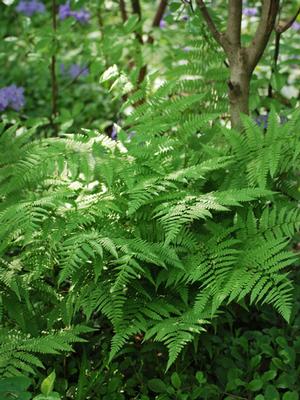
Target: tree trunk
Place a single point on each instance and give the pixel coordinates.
(239, 87)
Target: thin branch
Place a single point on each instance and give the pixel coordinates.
(275, 61)
(234, 22)
(155, 24)
(159, 13)
(136, 8)
(281, 28)
(210, 23)
(123, 10)
(157, 18)
(277, 48)
(265, 27)
(75, 78)
(190, 3)
(54, 87)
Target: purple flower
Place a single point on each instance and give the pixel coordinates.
(296, 26)
(250, 11)
(262, 121)
(81, 15)
(12, 97)
(3, 100)
(162, 24)
(30, 7)
(185, 18)
(64, 11)
(74, 71)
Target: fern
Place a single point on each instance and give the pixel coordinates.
(155, 235)
(18, 352)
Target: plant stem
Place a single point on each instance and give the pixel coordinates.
(123, 10)
(275, 60)
(54, 86)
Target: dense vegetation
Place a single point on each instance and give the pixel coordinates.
(149, 211)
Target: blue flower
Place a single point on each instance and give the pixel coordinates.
(64, 11)
(75, 70)
(81, 15)
(12, 97)
(250, 11)
(3, 100)
(30, 7)
(262, 120)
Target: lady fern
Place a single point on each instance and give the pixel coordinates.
(154, 235)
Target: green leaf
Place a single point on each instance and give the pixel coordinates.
(278, 363)
(110, 73)
(277, 81)
(269, 375)
(157, 386)
(176, 381)
(271, 393)
(200, 377)
(48, 384)
(286, 380)
(51, 396)
(131, 24)
(255, 385)
(255, 361)
(290, 396)
(174, 6)
(15, 384)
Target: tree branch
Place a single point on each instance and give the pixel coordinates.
(210, 23)
(136, 8)
(281, 28)
(275, 60)
(157, 18)
(265, 27)
(159, 13)
(54, 86)
(123, 10)
(234, 21)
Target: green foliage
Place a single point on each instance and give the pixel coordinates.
(153, 234)
(161, 264)
(15, 387)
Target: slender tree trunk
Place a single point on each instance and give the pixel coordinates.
(238, 89)
(242, 60)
